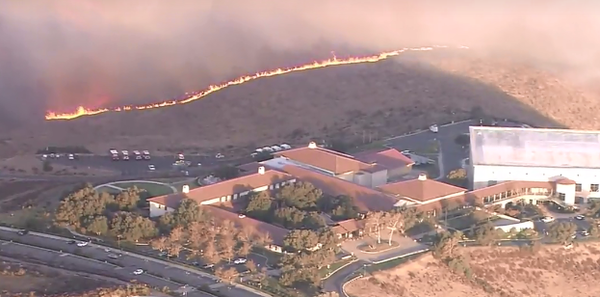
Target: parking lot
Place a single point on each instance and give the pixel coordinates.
(138, 167)
(452, 153)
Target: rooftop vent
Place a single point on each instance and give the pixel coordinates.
(312, 145)
(185, 189)
(422, 176)
(261, 170)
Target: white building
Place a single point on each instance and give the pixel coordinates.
(569, 159)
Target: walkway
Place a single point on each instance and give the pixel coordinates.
(115, 183)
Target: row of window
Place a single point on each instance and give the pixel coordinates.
(593, 188)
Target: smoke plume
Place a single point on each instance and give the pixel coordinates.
(61, 54)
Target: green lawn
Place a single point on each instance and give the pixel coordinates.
(152, 188)
(324, 272)
(107, 190)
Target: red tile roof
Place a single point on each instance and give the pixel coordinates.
(348, 226)
(225, 188)
(329, 160)
(364, 198)
(277, 233)
(421, 190)
(390, 158)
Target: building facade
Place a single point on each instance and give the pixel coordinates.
(537, 155)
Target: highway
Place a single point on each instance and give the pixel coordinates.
(124, 266)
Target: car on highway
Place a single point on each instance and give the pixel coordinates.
(240, 261)
(151, 167)
(208, 266)
(241, 215)
(23, 232)
(114, 256)
(580, 217)
(434, 128)
(219, 156)
(146, 155)
(83, 243)
(547, 219)
(138, 271)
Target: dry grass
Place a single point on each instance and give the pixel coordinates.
(20, 279)
(505, 271)
(382, 99)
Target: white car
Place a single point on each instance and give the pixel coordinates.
(219, 156)
(71, 157)
(138, 271)
(434, 128)
(285, 146)
(580, 217)
(241, 215)
(240, 261)
(547, 219)
(151, 167)
(82, 243)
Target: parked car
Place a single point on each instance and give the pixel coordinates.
(208, 266)
(240, 261)
(115, 256)
(151, 167)
(241, 215)
(219, 156)
(580, 217)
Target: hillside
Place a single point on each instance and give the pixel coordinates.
(496, 272)
(386, 98)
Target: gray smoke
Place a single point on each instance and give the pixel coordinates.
(64, 53)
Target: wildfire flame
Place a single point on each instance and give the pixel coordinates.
(334, 61)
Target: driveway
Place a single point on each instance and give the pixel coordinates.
(406, 245)
(128, 261)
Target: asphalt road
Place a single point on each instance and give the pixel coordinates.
(452, 153)
(128, 262)
(80, 264)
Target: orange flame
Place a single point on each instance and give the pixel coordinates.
(335, 61)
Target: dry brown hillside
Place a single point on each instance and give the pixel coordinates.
(383, 99)
(496, 272)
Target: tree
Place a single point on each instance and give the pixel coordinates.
(301, 240)
(97, 225)
(226, 172)
(188, 212)
(262, 277)
(260, 206)
(289, 217)
(457, 174)
(160, 244)
(447, 245)
(486, 234)
(251, 266)
(300, 195)
(132, 227)
(313, 220)
(394, 222)
(264, 238)
(375, 223)
(226, 274)
(594, 230)
(210, 253)
(128, 199)
(80, 205)
(562, 232)
(226, 241)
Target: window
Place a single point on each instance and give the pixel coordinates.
(577, 187)
(561, 196)
(595, 188)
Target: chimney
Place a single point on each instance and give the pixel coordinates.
(185, 189)
(261, 170)
(312, 145)
(422, 176)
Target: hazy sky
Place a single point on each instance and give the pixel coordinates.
(63, 53)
